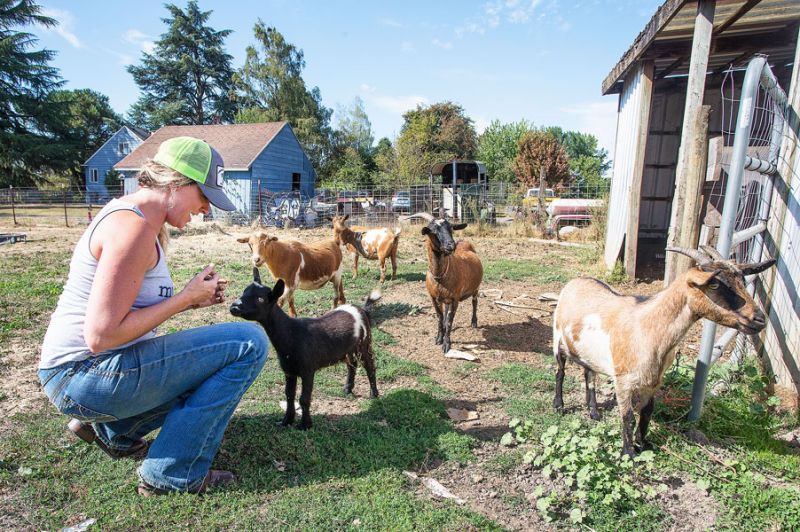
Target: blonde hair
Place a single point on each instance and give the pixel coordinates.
(157, 176)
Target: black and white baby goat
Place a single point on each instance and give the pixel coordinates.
(305, 345)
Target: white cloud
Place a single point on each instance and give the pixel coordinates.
(598, 118)
(446, 45)
(140, 39)
(393, 104)
(471, 27)
(390, 22)
(407, 47)
(65, 27)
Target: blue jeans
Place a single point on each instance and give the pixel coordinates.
(188, 383)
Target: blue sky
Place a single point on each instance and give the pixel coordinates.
(541, 60)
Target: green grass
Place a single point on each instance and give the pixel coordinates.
(552, 271)
(29, 289)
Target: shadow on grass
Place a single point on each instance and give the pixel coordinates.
(404, 429)
(412, 276)
(532, 335)
(387, 311)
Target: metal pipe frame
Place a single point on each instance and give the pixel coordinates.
(758, 74)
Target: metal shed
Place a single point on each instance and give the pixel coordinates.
(672, 114)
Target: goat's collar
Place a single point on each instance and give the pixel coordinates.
(439, 259)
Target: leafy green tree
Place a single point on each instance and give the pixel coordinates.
(540, 150)
(29, 122)
(497, 148)
(587, 161)
(354, 128)
(385, 163)
(270, 87)
(89, 122)
(187, 78)
(432, 134)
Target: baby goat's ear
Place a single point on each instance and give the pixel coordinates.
(256, 275)
(277, 290)
(243, 239)
(458, 227)
(426, 230)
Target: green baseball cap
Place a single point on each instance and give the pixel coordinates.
(201, 163)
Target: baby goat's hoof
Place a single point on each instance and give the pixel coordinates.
(373, 394)
(642, 446)
(303, 426)
(595, 415)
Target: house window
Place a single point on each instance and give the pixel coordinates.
(94, 175)
(296, 182)
(124, 148)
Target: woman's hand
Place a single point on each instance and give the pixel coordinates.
(205, 289)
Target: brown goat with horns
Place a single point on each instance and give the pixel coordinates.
(454, 274)
(633, 339)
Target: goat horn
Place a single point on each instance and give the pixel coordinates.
(423, 215)
(711, 252)
(699, 257)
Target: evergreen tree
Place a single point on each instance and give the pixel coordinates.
(88, 123)
(270, 88)
(29, 144)
(187, 78)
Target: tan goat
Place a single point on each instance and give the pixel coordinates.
(454, 274)
(633, 339)
(371, 244)
(304, 266)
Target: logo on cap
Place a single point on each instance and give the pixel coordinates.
(220, 173)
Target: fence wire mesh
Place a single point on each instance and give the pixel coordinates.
(371, 206)
(768, 198)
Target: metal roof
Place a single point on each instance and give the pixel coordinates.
(742, 28)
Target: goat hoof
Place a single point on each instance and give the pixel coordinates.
(374, 394)
(303, 426)
(474, 324)
(595, 416)
(439, 341)
(558, 408)
(640, 446)
(348, 391)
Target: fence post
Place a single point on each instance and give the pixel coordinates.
(66, 220)
(258, 199)
(13, 209)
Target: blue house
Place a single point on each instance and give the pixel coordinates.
(121, 143)
(260, 160)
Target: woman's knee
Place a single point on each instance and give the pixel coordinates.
(255, 341)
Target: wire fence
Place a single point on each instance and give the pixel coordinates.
(756, 160)
(378, 205)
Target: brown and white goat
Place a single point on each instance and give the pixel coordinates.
(454, 274)
(633, 339)
(371, 244)
(304, 266)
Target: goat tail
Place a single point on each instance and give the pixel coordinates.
(373, 296)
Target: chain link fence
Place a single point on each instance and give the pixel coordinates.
(370, 206)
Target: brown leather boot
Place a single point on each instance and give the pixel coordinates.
(85, 432)
(214, 478)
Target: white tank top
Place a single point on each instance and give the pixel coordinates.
(64, 340)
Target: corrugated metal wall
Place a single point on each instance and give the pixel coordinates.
(630, 103)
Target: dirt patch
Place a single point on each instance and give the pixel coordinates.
(518, 333)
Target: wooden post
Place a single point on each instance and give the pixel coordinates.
(13, 209)
(697, 159)
(635, 192)
(698, 65)
(66, 220)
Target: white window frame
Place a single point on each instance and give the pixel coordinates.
(124, 148)
(93, 175)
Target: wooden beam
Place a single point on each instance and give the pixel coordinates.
(660, 19)
(675, 64)
(635, 191)
(742, 11)
(695, 90)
